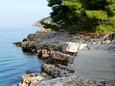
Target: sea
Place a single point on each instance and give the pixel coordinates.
(13, 62)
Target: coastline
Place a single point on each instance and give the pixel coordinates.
(51, 46)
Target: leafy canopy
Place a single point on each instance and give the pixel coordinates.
(82, 15)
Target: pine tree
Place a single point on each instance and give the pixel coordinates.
(94, 15)
(83, 15)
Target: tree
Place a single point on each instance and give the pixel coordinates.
(83, 15)
(94, 15)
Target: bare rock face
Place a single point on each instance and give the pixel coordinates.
(60, 56)
(56, 70)
(29, 46)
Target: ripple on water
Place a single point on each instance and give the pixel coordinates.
(13, 62)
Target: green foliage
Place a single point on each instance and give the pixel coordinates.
(105, 28)
(112, 22)
(111, 9)
(97, 14)
(82, 15)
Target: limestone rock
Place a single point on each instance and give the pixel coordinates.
(45, 53)
(28, 79)
(60, 56)
(74, 47)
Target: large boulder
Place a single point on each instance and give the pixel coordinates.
(56, 55)
(29, 46)
(43, 53)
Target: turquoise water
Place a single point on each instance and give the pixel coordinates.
(13, 62)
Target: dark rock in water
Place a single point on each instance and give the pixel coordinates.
(29, 46)
(25, 39)
(18, 44)
(29, 71)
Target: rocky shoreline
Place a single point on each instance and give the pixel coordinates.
(59, 49)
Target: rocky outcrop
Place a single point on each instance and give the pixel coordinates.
(59, 49)
(29, 46)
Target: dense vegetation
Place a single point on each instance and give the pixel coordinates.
(82, 15)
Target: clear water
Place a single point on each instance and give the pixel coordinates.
(13, 62)
(96, 64)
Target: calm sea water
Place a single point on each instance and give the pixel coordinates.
(13, 62)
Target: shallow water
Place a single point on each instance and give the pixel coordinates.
(96, 64)
(13, 62)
